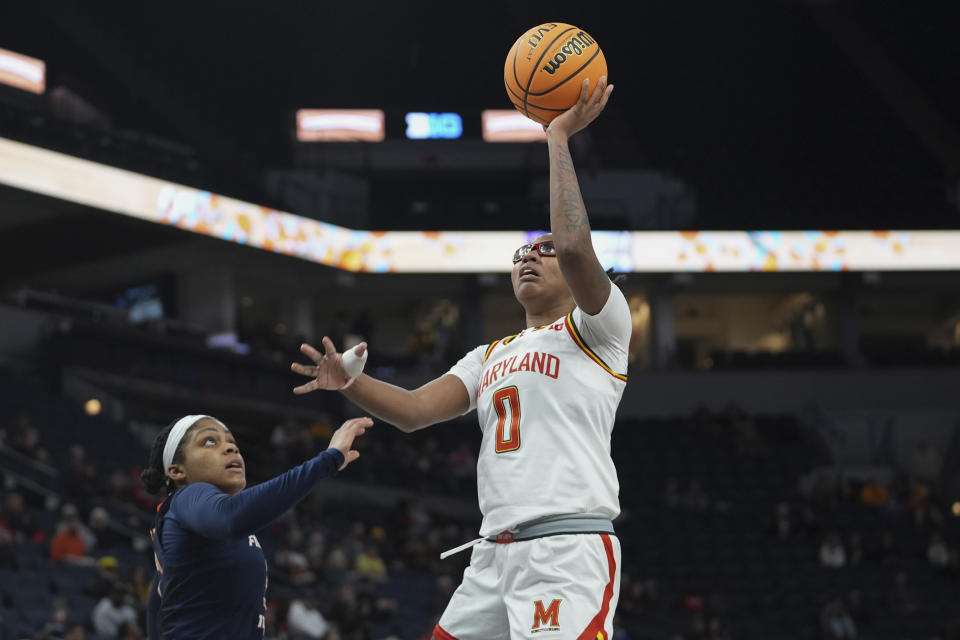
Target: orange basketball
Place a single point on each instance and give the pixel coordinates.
(546, 66)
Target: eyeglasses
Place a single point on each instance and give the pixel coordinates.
(544, 248)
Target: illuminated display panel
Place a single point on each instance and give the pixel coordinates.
(110, 189)
(509, 125)
(340, 125)
(22, 72)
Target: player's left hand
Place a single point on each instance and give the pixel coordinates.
(328, 373)
(586, 110)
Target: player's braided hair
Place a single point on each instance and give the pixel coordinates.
(154, 477)
(616, 278)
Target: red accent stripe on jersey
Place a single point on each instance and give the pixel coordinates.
(440, 634)
(595, 630)
(572, 330)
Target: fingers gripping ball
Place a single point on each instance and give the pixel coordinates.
(352, 365)
(546, 66)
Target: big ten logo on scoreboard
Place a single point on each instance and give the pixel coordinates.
(430, 126)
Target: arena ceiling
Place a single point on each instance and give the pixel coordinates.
(779, 113)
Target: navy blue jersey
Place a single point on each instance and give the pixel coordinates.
(211, 572)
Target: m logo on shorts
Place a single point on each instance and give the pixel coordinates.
(549, 617)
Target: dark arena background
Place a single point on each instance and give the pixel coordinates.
(779, 180)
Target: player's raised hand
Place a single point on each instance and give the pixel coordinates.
(327, 370)
(343, 437)
(588, 107)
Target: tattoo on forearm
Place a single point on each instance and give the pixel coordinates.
(568, 199)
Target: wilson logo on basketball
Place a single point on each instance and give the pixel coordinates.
(546, 619)
(575, 46)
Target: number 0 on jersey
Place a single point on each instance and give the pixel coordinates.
(507, 403)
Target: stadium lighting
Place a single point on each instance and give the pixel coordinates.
(22, 72)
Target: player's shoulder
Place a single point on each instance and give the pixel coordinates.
(191, 493)
(615, 309)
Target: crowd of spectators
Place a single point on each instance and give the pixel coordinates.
(345, 570)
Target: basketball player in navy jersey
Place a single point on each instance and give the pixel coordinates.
(211, 573)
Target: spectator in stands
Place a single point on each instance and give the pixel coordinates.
(836, 620)
(372, 607)
(875, 494)
(282, 440)
(715, 630)
(443, 588)
(832, 553)
(345, 612)
(938, 554)
(415, 553)
(111, 613)
(140, 585)
(316, 550)
(56, 625)
(26, 440)
(119, 485)
(304, 619)
(293, 560)
(70, 517)
(692, 599)
(105, 535)
(140, 495)
(918, 503)
(75, 632)
(79, 480)
(356, 542)
(337, 568)
(69, 544)
(107, 580)
(18, 521)
(636, 596)
(370, 565)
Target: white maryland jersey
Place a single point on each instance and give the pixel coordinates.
(546, 399)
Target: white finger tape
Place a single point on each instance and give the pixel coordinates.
(352, 365)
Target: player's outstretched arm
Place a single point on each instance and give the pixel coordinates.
(206, 510)
(441, 399)
(568, 215)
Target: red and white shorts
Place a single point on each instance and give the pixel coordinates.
(560, 587)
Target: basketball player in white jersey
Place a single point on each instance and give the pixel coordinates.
(548, 562)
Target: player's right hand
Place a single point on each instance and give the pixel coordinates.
(343, 437)
(327, 370)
